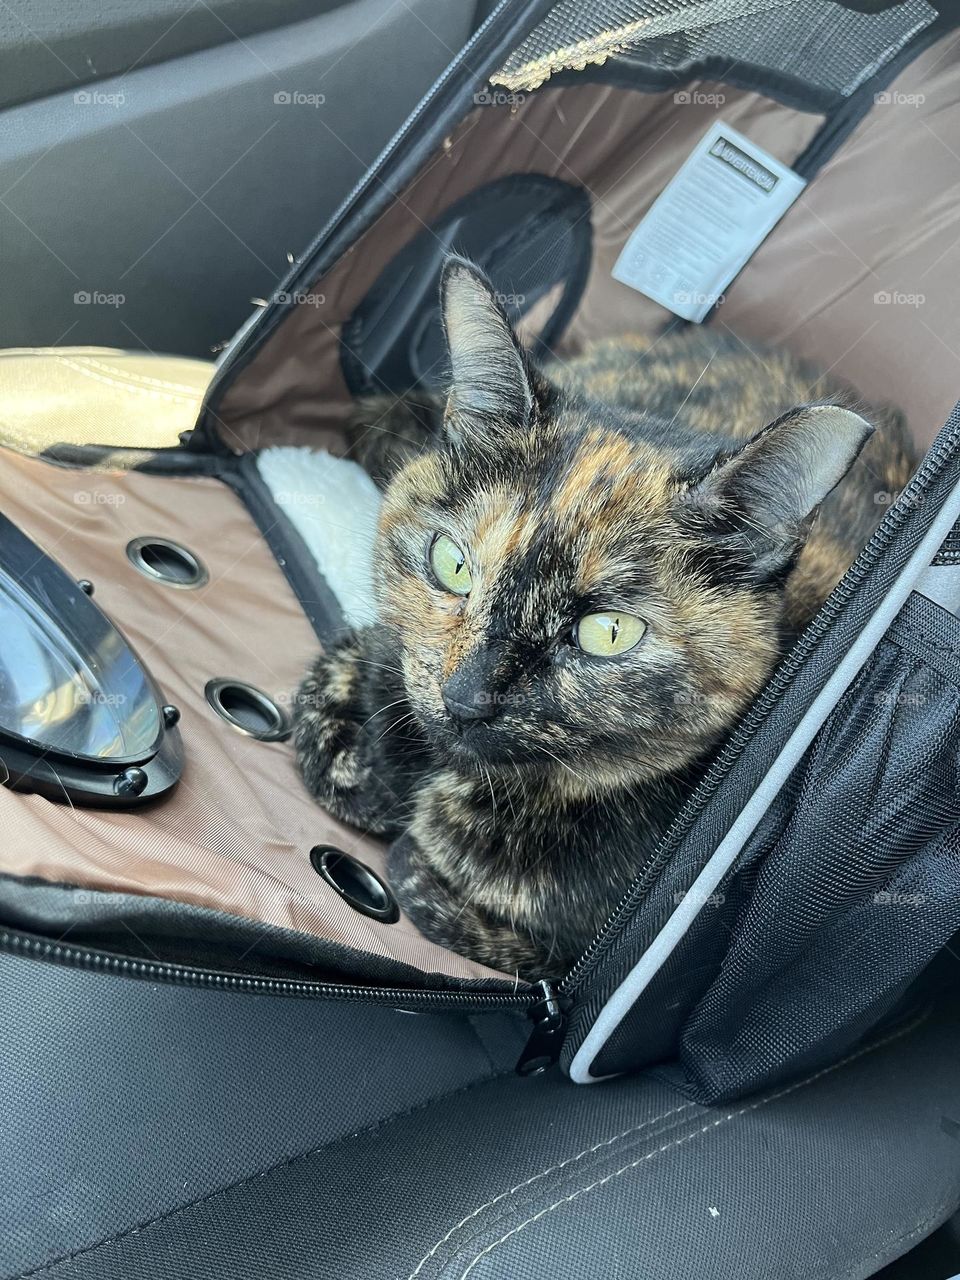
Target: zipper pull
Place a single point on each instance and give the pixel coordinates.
(543, 1048)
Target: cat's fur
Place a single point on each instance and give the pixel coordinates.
(634, 477)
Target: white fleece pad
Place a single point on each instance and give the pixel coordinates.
(334, 505)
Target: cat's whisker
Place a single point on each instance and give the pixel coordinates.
(493, 797)
(561, 763)
(384, 666)
(394, 725)
(506, 792)
(398, 702)
(693, 388)
(466, 903)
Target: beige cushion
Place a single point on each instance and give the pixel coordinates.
(95, 395)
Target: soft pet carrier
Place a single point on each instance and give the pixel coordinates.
(803, 905)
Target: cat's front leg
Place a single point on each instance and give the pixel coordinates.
(459, 872)
(358, 747)
(459, 916)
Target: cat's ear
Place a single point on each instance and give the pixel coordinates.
(764, 498)
(490, 385)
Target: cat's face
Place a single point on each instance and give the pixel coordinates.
(570, 589)
(573, 629)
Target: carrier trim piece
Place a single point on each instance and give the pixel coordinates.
(726, 853)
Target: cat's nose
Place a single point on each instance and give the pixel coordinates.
(470, 693)
(468, 706)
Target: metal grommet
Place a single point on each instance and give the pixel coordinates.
(355, 883)
(168, 562)
(248, 709)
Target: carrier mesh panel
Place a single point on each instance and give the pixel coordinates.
(821, 48)
(841, 910)
(949, 553)
(860, 890)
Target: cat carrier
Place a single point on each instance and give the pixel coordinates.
(161, 605)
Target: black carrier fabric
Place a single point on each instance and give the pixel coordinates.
(811, 53)
(852, 886)
(842, 909)
(841, 912)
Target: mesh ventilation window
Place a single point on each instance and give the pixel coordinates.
(842, 912)
(824, 50)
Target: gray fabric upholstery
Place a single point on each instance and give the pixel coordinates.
(162, 1131)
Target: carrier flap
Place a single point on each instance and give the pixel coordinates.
(618, 133)
(811, 54)
(528, 233)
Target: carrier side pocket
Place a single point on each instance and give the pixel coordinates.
(858, 888)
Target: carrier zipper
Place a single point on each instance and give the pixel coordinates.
(549, 1017)
(547, 1011)
(931, 467)
(16, 942)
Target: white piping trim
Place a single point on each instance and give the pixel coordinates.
(726, 853)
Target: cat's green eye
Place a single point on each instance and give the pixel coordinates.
(606, 635)
(449, 565)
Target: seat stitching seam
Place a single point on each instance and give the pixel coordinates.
(689, 1137)
(173, 397)
(139, 377)
(510, 1210)
(552, 1169)
(131, 385)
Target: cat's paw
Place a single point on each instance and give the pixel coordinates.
(336, 754)
(451, 891)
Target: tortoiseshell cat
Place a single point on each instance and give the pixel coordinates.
(585, 574)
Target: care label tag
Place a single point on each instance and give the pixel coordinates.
(707, 222)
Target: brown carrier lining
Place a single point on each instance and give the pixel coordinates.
(809, 287)
(236, 832)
